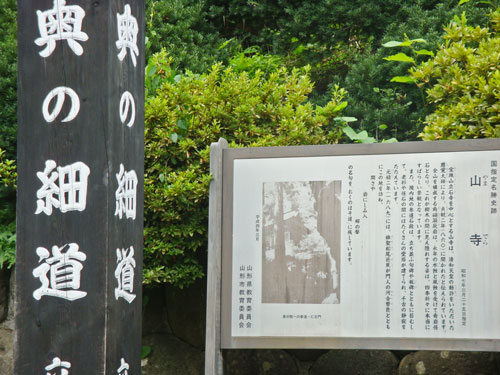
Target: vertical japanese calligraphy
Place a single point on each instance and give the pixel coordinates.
(58, 367)
(124, 274)
(60, 94)
(64, 188)
(62, 22)
(127, 109)
(60, 272)
(245, 297)
(127, 35)
(126, 194)
(79, 244)
(124, 367)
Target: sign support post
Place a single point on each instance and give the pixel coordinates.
(213, 354)
(80, 187)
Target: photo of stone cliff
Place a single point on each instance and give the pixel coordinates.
(301, 242)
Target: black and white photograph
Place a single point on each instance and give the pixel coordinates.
(301, 242)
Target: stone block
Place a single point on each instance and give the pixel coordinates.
(449, 363)
(155, 317)
(4, 293)
(171, 356)
(186, 310)
(356, 362)
(259, 362)
(307, 355)
(6, 352)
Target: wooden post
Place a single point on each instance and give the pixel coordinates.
(80, 187)
(213, 354)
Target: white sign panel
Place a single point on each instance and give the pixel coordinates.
(403, 246)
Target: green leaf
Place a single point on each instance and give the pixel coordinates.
(403, 79)
(362, 136)
(225, 43)
(400, 57)
(340, 107)
(382, 127)
(392, 43)
(424, 52)
(299, 49)
(151, 70)
(174, 137)
(350, 133)
(390, 140)
(463, 2)
(409, 42)
(406, 43)
(182, 124)
(145, 351)
(346, 119)
(177, 78)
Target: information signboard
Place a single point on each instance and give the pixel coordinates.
(361, 246)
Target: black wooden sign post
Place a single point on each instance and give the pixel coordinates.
(80, 187)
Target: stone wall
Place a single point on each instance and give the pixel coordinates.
(6, 322)
(173, 327)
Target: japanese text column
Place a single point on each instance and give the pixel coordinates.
(80, 187)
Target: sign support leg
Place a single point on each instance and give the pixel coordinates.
(213, 354)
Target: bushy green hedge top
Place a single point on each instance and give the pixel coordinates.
(8, 77)
(464, 77)
(183, 118)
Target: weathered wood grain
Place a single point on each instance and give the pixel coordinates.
(213, 355)
(92, 333)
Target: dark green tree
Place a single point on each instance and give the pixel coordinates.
(181, 28)
(325, 34)
(373, 98)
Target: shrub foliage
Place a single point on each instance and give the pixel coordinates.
(184, 116)
(465, 82)
(373, 98)
(8, 130)
(251, 99)
(8, 77)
